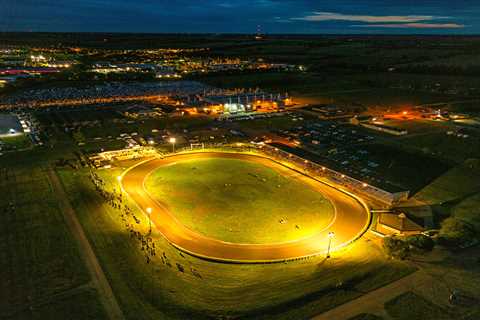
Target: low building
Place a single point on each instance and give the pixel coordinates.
(384, 128)
(395, 223)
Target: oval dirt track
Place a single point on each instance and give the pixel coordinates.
(351, 220)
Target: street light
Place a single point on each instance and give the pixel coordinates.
(119, 179)
(172, 141)
(331, 234)
(149, 212)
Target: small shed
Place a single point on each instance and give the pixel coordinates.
(398, 223)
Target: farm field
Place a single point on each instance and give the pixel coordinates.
(449, 147)
(465, 177)
(43, 275)
(407, 169)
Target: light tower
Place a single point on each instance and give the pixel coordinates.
(259, 35)
(149, 212)
(173, 141)
(331, 235)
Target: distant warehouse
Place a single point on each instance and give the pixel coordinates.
(386, 129)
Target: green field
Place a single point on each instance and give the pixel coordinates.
(445, 146)
(17, 142)
(468, 210)
(240, 201)
(418, 126)
(410, 306)
(180, 286)
(43, 276)
(457, 183)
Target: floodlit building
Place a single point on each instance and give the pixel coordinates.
(233, 108)
(394, 223)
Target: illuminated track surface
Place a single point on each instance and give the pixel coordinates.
(351, 217)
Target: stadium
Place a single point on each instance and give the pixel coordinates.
(243, 207)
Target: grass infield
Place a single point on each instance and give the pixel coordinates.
(240, 201)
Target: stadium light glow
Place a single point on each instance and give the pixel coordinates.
(149, 211)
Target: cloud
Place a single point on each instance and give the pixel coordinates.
(331, 16)
(413, 25)
(385, 21)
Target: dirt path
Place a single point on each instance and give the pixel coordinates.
(98, 277)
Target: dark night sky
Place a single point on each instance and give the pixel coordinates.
(243, 16)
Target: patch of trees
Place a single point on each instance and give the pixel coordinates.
(403, 247)
(459, 233)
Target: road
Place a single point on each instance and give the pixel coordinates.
(351, 220)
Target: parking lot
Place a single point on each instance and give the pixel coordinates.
(358, 153)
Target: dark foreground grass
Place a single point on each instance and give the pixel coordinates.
(18, 142)
(366, 316)
(79, 305)
(410, 306)
(178, 286)
(42, 274)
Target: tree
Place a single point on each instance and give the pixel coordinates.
(421, 241)
(456, 232)
(395, 247)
